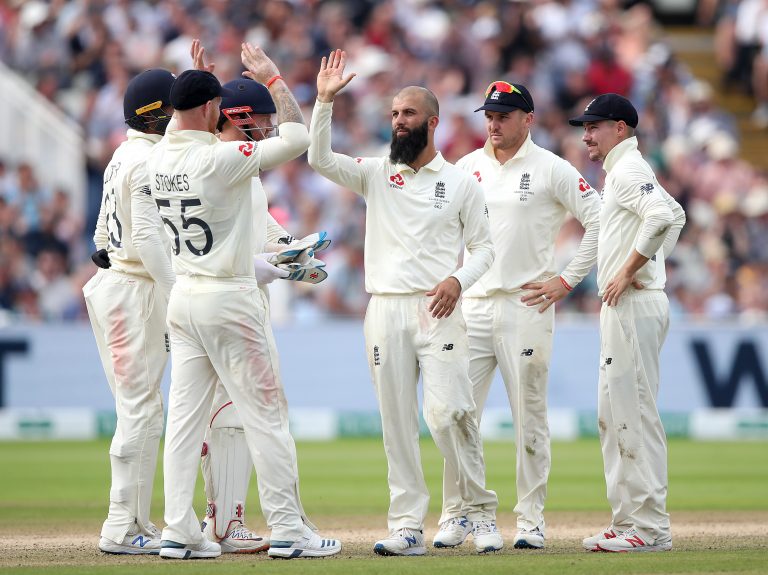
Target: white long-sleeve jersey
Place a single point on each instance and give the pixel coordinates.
(204, 191)
(129, 227)
(637, 214)
(415, 221)
(528, 198)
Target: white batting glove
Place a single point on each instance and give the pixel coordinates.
(265, 272)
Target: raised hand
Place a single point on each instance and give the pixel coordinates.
(258, 65)
(198, 57)
(330, 79)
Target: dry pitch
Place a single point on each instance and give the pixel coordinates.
(692, 531)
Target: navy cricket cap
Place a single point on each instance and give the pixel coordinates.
(247, 93)
(194, 88)
(150, 90)
(505, 97)
(607, 107)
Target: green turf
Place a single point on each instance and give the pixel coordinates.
(45, 481)
(44, 484)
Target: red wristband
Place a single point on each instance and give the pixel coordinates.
(272, 80)
(565, 284)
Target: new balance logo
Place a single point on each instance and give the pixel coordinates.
(376, 356)
(140, 541)
(167, 343)
(527, 352)
(646, 189)
(411, 540)
(635, 541)
(448, 347)
(608, 360)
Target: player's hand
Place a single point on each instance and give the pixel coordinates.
(446, 294)
(265, 272)
(258, 65)
(330, 78)
(544, 294)
(101, 259)
(198, 57)
(618, 286)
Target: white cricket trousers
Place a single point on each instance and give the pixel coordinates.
(220, 330)
(402, 338)
(127, 314)
(505, 332)
(631, 435)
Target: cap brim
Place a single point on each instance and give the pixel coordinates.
(499, 108)
(579, 121)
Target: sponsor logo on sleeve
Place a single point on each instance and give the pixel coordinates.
(646, 189)
(478, 176)
(247, 148)
(585, 189)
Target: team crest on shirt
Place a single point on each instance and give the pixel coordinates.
(439, 199)
(524, 190)
(396, 182)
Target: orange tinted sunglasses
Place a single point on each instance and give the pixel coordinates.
(506, 88)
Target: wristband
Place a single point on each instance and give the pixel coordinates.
(565, 284)
(272, 80)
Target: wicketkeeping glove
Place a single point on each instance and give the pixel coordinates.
(266, 272)
(297, 258)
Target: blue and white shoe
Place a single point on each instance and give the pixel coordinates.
(486, 536)
(402, 541)
(132, 544)
(529, 539)
(310, 545)
(204, 550)
(452, 532)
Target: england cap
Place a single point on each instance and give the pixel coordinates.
(194, 88)
(504, 97)
(607, 107)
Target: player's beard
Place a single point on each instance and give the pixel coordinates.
(405, 149)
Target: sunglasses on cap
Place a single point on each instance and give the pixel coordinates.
(506, 88)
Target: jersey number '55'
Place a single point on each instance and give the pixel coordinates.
(186, 223)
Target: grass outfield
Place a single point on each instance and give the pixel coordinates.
(62, 487)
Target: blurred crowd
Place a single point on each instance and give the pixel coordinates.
(80, 54)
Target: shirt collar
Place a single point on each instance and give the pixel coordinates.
(136, 135)
(524, 150)
(181, 136)
(434, 165)
(619, 151)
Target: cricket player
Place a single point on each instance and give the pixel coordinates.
(218, 317)
(126, 302)
(639, 226)
(419, 210)
(245, 116)
(509, 311)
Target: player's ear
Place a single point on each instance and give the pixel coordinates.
(433, 122)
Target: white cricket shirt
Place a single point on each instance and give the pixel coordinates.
(636, 214)
(528, 198)
(203, 189)
(415, 221)
(125, 177)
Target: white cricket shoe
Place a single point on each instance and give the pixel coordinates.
(239, 539)
(309, 545)
(132, 544)
(590, 543)
(402, 541)
(486, 536)
(633, 540)
(452, 532)
(529, 539)
(203, 550)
